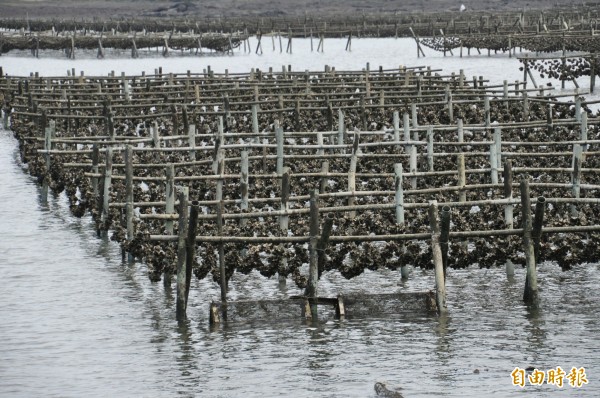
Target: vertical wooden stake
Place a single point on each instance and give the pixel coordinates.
(440, 284)
(95, 159)
(430, 147)
(399, 197)
(576, 176)
(444, 235)
(190, 255)
(462, 180)
(538, 222)
(182, 254)
(221, 254)
(341, 129)
(279, 139)
(508, 180)
(244, 184)
(170, 196)
(530, 294)
(324, 180)
(413, 166)
(255, 120)
(413, 109)
(106, 193)
(352, 175)
(129, 194)
(313, 271)
(192, 141)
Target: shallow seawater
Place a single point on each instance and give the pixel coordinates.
(75, 321)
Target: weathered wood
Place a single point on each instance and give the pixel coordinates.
(531, 291)
(244, 184)
(538, 222)
(190, 243)
(313, 271)
(440, 284)
(170, 195)
(129, 195)
(399, 196)
(323, 241)
(576, 176)
(508, 182)
(106, 186)
(222, 271)
(182, 254)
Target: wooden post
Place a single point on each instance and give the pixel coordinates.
(530, 294)
(324, 182)
(593, 72)
(444, 235)
(155, 135)
(576, 176)
(508, 208)
(450, 107)
(525, 106)
(95, 159)
(341, 129)
(170, 196)
(182, 254)
(440, 284)
(244, 184)
(255, 119)
(494, 163)
(313, 271)
(352, 175)
(279, 139)
(48, 135)
(430, 147)
(486, 107)
(107, 182)
(498, 146)
(413, 165)
(538, 221)
(399, 197)
(190, 248)
(396, 121)
(221, 253)
(284, 219)
(415, 122)
(462, 180)
(323, 241)
(406, 127)
(583, 135)
(192, 141)
(129, 195)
